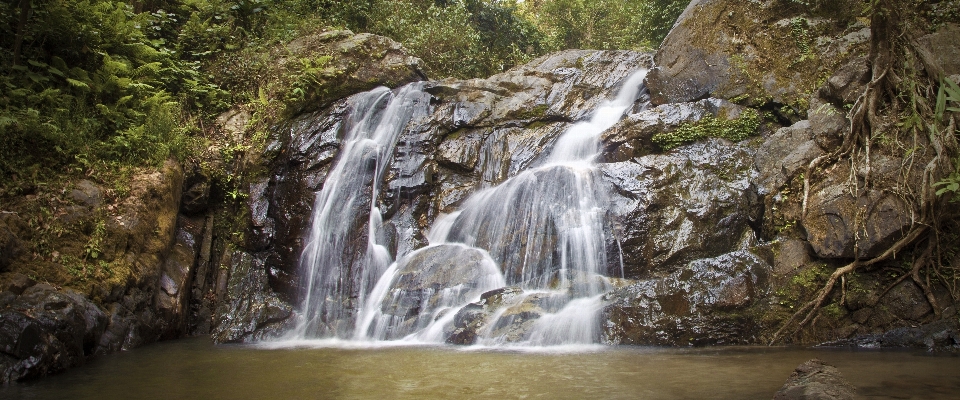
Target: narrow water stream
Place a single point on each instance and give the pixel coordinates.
(196, 369)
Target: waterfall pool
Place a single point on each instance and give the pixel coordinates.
(196, 369)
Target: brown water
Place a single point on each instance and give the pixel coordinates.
(196, 369)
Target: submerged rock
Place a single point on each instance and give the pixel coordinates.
(940, 336)
(816, 380)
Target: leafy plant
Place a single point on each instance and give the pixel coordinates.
(948, 99)
(737, 129)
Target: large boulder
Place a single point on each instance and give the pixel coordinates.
(317, 69)
(757, 52)
(705, 303)
(44, 330)
(697, 201)
(843, 225)
(431, 282)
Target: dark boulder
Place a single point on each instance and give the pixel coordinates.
(816, 380)
(45, 330)
(705, 303)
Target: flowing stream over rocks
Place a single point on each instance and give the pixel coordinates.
(521, 262)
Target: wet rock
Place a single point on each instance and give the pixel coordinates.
(263, 226)
(175, 278)
(460, 151)
(785, 154)
(132, 322)
(504, 315)
(431, 279)
(672, 208)
(839, 225)
(816, 380)
(939, 336)
(703, 304)
(250, 310)
(632, 136)
(46, 330)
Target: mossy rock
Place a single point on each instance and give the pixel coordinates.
(754, 53)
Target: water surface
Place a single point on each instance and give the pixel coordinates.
(197, 369)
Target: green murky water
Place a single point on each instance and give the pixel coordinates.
(196, 369)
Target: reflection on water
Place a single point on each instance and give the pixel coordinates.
(196, 369)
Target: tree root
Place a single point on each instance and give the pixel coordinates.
(809, 310)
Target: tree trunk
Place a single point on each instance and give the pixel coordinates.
(25, 10)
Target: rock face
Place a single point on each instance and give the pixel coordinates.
(250, 311)
(818, 380)
(673, 208)
(760, 52)
(46, 329)
(705, 303)
(475, 134)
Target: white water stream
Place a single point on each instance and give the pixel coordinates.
(539, 234)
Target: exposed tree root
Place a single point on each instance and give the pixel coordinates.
(811, 308)
(891, 79)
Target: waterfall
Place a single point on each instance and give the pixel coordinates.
(338, 268)
(536, 243)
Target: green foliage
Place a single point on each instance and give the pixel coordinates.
(949, 93)
(733, 129)
(604, 24)
(93, 81)
(948, 99)
(799, 30)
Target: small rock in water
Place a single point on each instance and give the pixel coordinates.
(815, 380)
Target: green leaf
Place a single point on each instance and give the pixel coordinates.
(77, 84)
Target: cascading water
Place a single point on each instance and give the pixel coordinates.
(536, 242)
(338, 274)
